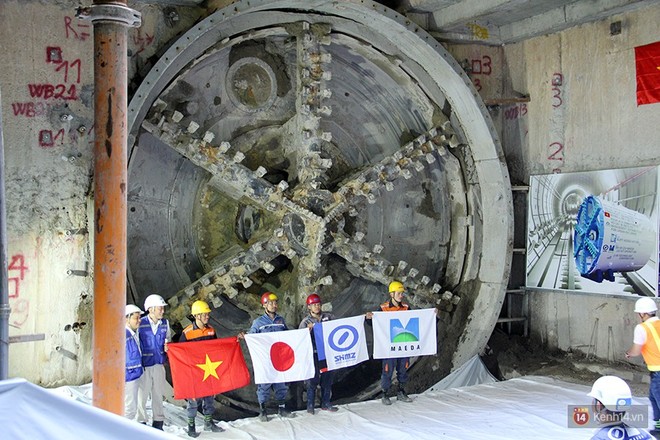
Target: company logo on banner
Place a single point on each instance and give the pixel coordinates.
(407, 333)
(341, 342)
(404, 334)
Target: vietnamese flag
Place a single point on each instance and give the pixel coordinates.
(206, 368)
(647, 62)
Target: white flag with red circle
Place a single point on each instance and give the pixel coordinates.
(285, 356)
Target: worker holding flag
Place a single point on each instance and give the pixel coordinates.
(401, 364)
(270, 322)
(200, 330)
(321, 374)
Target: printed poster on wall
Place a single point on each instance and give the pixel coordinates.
(594, 231)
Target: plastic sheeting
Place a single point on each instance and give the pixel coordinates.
(527, 407)
(28, 411)
(524, 408)
(473, 372)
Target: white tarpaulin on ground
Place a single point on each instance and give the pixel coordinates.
(28, 411)
(529, 407)
(523, 408)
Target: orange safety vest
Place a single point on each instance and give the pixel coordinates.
(194, 333)
(389, 307)
(651, 349)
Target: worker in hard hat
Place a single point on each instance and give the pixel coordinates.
(154, 333)
(270, 321)
(646, 341)
(200, 330)
(401, 365)
(612, 398)
(321, 374)
(134, 368)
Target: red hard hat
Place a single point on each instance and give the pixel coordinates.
(268, 296)
(313, 299)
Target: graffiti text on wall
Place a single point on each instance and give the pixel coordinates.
(79, 30)
(556, 148)
(480, 66)
(20, 307)
(63, 84)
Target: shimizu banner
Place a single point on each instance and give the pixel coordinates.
(341, 342)
(404, 334)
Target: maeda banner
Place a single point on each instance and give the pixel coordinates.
(341, 342)
(404, 334)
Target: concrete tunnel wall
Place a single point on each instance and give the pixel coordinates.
(48, 158)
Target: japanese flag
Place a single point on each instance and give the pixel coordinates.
(285, 356)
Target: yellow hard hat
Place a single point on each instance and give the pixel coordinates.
(199, 307)
(397, 286)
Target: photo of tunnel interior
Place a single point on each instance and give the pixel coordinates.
(629, 203)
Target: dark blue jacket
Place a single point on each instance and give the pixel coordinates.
(264, 324)
(133, 358)
(153, 346)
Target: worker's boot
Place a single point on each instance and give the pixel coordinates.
(191, 428)
(263, 415)
(386, 398)
(209, 425)
(402, 396)
(655, 432)
(282, 411)
(158, 424)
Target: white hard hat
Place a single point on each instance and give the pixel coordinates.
(645, 305)
(130, 309)
(613, 392)
(154, 301)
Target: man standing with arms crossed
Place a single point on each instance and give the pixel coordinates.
(155, 333)
(646, 341)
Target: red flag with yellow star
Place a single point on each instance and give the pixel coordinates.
(206, 368)
(647, 62)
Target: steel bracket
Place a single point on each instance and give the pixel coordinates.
(110, 13)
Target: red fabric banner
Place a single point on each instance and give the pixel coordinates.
(647, 62)
(207, 368)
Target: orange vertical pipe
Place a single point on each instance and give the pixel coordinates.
(110, 175)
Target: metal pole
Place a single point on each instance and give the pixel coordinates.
(111, 20)
(4, 285)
